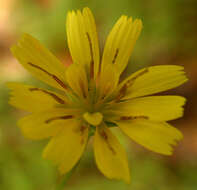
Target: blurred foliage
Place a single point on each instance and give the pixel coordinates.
(168, 37)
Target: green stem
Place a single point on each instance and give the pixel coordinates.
(62, 181)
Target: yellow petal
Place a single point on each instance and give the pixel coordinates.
(153, 80)
(120, 42)
(40, 62)
(93, 118)
(110, 157)
(108, 81)
(66, 148)
(156, 108)
(155, 136)
(83, 40)
(77, 79)
(45, 124)
(32, 99)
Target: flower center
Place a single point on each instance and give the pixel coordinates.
(93, 118)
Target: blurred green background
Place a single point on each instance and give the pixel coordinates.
(169, 37)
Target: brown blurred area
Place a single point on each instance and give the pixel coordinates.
(169, 37)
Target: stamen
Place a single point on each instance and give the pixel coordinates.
(51, 75)
(59, 118)
(115, 56)
(94, 119)
(59, 100)
(133, 117)
(91, 53)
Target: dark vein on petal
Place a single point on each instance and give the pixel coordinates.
(115, 56)
(59, 118)
(51, 75)
(129, 83)
(105, 137)
(81, 84)
(91, 54)
(59, 100)
(82, 131)
(124, 118)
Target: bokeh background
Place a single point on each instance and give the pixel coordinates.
(169, 36)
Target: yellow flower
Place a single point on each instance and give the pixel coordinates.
(89, 97)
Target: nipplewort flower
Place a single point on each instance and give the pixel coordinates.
(90, 98)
